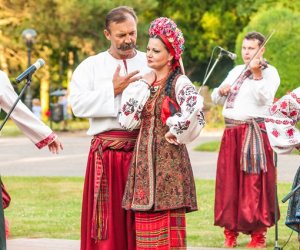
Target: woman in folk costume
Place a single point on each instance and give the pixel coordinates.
(160, 186)
(32, 127)
(284, 136)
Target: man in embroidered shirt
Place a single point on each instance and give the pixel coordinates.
(96, 89)
(246, 174)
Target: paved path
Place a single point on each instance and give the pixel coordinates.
(55, 244)
(19, 157)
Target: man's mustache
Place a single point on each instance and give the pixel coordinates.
(127, 46)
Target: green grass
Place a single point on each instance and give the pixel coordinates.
(212, 146)
(44, 207)
(49, 207)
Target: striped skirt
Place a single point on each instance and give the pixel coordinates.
(161, 230)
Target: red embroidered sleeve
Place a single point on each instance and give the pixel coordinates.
(46, 141)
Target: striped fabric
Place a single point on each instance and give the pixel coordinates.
(253, 158)
(164, 230)
(236, 88)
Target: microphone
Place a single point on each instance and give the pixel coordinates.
(231, 55)
(29, 71)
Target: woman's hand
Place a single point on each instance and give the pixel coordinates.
(55, 146)
(171, 138)
(149, 77)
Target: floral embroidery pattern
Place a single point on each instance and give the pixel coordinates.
(290, 132)
(46, 141)
(285, 122)
(138, 113)
(190, 104)
(281, 125)
(129, 107)
(273, 109)
(200, 118)
(275, 132)
(186, 92)
(180, 126)
(295, 97)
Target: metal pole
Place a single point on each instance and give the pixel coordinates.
(28, 96)
(211, 70)
(276, 247)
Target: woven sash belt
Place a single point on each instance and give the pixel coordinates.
(253, 157)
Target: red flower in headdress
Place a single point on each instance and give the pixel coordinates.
(169, 32)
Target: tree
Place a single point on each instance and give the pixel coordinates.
(68, 32)
(205, 25)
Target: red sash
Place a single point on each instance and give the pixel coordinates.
(5, 195)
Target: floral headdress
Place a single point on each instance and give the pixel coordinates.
(171, 35)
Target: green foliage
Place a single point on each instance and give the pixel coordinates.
(205, 24)
(281, 50)
(69, 31)
(214, 117)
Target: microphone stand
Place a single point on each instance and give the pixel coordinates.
(276, 247)
(290, 194)
(28, 82)
(211, 70)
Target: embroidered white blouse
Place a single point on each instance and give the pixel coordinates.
(281, 123)
(185, 124)
(255, 97)
(92, 92)
(40, 134)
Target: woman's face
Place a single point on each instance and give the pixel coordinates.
(157, 54)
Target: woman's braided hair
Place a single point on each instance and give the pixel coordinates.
(170, 80)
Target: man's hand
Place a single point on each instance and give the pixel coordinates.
(55, 146)
(121, 82)
(171, 138)
(255, 67)
(224, 90)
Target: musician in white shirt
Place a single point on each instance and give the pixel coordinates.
(246, 175)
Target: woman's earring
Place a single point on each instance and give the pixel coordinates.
(169, 63)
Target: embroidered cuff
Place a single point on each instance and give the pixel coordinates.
(46, 141)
